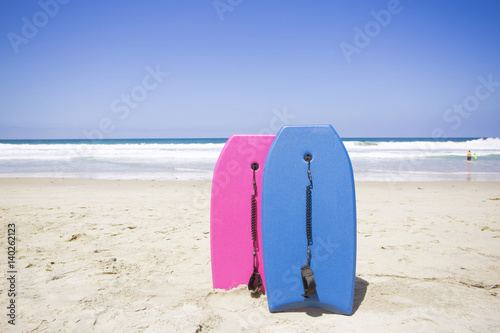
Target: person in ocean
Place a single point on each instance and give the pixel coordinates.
(475, 156)
(469, 156)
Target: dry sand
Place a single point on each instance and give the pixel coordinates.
(131, 256)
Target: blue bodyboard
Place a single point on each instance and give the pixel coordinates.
(284, 239)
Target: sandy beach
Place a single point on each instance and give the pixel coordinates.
(132, 256)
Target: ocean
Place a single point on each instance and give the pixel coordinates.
(373, 159)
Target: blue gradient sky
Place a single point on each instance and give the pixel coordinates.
(430, 69)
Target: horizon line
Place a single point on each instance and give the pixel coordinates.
(226, 138)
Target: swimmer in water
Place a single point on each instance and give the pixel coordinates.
(469, 156)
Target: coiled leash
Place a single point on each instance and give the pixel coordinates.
(307, 273)
(255, 281)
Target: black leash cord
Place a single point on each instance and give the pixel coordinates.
(255, 281)
(254, 215)
(307, 273)
(309, 213)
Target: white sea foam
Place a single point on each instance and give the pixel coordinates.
(420, 149)
(372, 160)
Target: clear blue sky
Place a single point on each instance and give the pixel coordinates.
(72, 69)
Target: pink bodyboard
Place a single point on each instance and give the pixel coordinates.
(230, 213)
